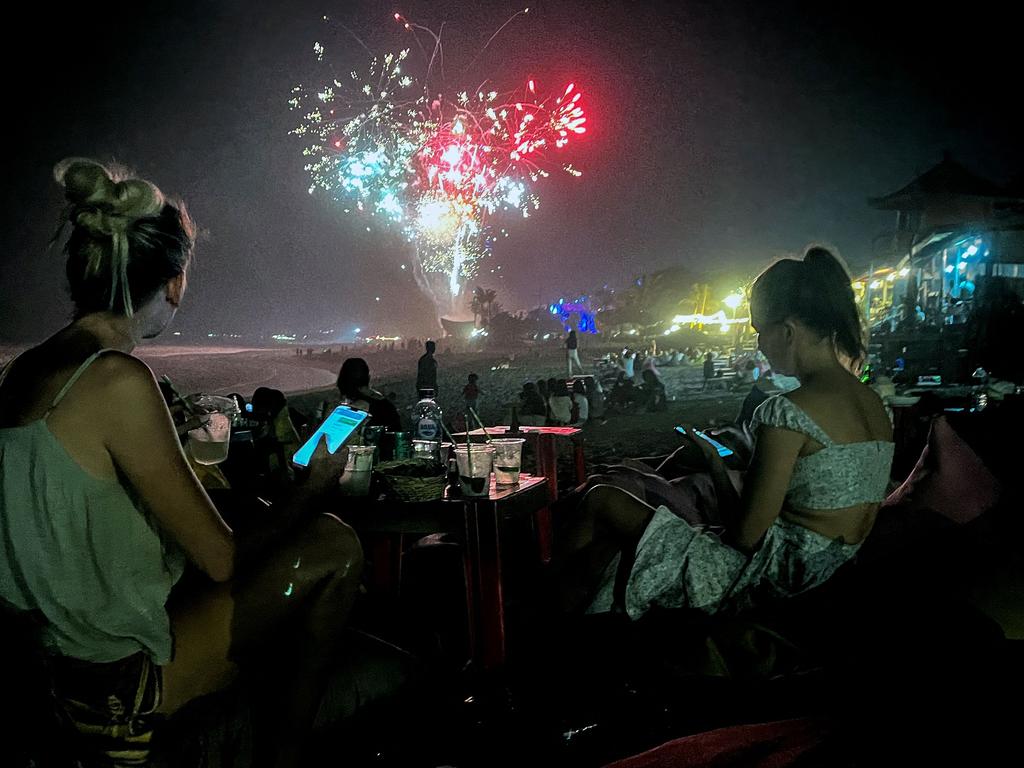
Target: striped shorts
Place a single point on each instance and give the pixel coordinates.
(111, 707)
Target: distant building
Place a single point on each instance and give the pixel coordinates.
(955, 233)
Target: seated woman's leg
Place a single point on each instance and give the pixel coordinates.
(283, 618)
(609, 521)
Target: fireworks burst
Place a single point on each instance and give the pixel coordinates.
(438, 169)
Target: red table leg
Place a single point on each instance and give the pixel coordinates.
(581, 462)
(548, 465)
(386, 555)
(542, 523)
(470, 571)
(484, 587)
(548, 451)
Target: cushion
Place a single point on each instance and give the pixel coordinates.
(770, 745)
(949, 479)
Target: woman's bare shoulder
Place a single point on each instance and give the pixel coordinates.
(842, 405)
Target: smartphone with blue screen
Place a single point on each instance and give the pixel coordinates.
(336, 429)
(722, 450)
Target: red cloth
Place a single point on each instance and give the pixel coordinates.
(762, 745)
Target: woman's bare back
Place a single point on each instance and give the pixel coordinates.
(848, 412)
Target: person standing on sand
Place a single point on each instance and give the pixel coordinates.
(709, 370)
(426, 369)
(572, 353)
(471, 392)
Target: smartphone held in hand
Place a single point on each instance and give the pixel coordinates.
(722, 450)
(336, 429)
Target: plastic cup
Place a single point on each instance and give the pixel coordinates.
(355, 480)
(508, 458)
(208, 444)
(427, 450)
(474, 463)
(359, 459)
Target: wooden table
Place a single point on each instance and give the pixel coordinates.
(478, 524)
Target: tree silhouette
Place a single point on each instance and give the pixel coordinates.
(484, 306)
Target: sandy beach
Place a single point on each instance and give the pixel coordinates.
(310, 379)
(633, 434)
(222, 370)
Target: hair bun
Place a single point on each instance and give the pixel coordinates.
(85, 182)
(135, 198)
(89, 184)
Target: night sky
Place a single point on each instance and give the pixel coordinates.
(721, 134)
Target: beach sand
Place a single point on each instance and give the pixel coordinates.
(632, 434)
(222, 370)
(308, 380)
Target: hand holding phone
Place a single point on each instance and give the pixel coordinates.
(336, 429)
(722, 450)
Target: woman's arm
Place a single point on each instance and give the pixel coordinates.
(748, 516)
(141, 440)
(765, 485)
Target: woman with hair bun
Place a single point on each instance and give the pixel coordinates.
(99, 510)
(819, 470)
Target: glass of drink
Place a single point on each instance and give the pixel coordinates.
(508, 458)
(208, 443)
(355, 480)
(474, 461)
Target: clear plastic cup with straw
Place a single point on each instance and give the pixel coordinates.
(474, 461)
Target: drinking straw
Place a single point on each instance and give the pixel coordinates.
(447, 433)
(189, 408)
(478, 421)
(469, 451)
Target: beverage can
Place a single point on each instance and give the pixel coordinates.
(403, 445)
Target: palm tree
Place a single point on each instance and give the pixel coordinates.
(697, 301)
(477, 304)
(489, 297)
(640, 296)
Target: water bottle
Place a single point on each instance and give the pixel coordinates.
(426, 418)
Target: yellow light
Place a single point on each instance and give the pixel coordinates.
(892, 277)
(724, 327)
(733, 300)
(440, 218)
(876, 284)
(858, 286)
(905, 271)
